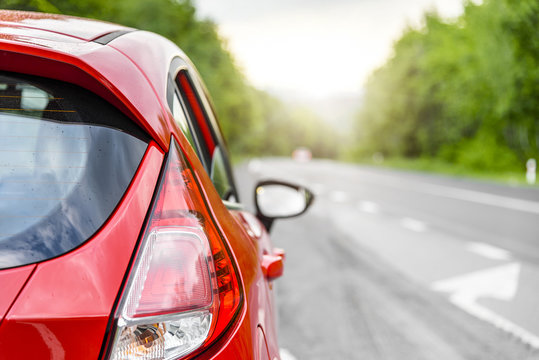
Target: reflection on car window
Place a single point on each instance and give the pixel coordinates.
(41, 163)
(219, 176)
(65, 162)
(181, 119)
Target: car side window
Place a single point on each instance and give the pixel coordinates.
(191, 114)
(219, 176)
(181, 119)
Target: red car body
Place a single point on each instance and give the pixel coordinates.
(66, 307)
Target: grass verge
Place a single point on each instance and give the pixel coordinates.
(513, 178)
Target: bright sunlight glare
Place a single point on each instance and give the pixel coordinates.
(316, 48)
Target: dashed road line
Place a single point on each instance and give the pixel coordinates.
(414, 225)
(369, 207)
(475, 196)
(488, 251)
(338, 196)
(481, 197)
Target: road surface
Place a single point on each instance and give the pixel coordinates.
(397, 265)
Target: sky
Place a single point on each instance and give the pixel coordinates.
(315, 49)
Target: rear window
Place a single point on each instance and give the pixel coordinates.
(66, 159)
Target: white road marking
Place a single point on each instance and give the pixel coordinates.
(481, 198)
(286, 355)
(488, 251)
(254, 166)
(338, 196)
(500, 283)
(369, 207)
(414, 225)
(464, 194)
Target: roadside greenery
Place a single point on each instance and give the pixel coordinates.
(462, 92)
(458, 96)
(253, 121)
(437, 166)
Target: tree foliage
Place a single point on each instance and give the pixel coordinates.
(254, 123)
(465, 91)
(288, 127)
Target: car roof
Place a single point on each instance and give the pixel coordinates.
(130, 63)
(79, 28)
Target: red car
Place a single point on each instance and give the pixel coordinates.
(121, 231)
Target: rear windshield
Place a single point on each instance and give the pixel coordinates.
(66, 159)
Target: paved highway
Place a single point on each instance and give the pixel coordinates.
(397, 265)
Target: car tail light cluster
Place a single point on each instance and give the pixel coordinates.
(183, 290)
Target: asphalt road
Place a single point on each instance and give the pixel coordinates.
(396, 265)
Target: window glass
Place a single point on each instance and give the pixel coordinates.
(66, 159)
(181, 119)
(219, 175)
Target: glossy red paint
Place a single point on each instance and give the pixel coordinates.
(66, 306)
(264, 296)
(12, 281)
(272, 266)
(263, 353)
(197, 109)
(90, 65)
(79, 28)
(68, 300)
(144, 110)
(248, 250)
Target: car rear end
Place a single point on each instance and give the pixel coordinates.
(109, 247)
(71, 168)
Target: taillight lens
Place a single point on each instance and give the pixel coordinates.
(183, 291)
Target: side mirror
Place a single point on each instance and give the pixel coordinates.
(280, 200)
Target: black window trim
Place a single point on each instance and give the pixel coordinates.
(178, 65)
(198, 144)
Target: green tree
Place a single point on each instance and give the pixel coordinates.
(253, 122)
(463, 90)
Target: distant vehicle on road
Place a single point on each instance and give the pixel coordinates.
(121, 231)
(302, 154)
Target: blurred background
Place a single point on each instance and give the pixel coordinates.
(371, 104)
(440, 85)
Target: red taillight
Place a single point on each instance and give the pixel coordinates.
(175, 273)
(183, 291)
